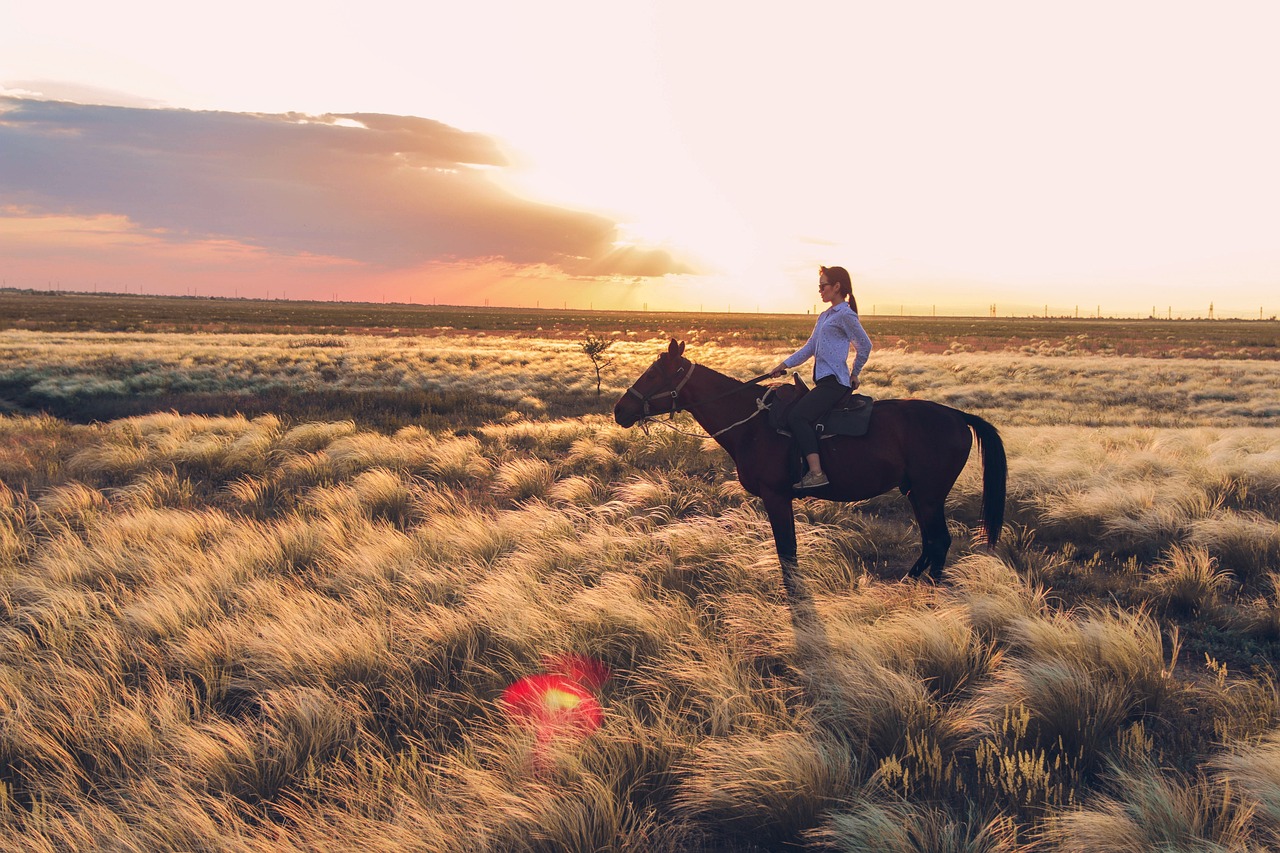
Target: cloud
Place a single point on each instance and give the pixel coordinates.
(386, 190)
(81, 93)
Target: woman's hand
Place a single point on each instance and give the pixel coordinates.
(777, 371)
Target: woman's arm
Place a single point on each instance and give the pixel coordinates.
(861, 342)
(800, 356)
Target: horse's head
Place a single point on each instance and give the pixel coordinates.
(657, 391)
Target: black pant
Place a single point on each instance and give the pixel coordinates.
(812, 406)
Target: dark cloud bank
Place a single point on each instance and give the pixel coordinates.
(396, 191)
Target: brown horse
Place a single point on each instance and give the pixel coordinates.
(916, 446)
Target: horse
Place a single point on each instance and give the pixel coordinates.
(917, 446)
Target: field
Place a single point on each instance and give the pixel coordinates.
(266, 569)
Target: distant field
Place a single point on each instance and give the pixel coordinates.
(455, 380)
(1150, 338)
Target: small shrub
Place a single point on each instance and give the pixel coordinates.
(595, 348)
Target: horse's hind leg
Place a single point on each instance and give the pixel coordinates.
(935, 539)
(940, 545)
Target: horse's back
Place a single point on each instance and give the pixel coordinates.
(922, 425)
(908, 442)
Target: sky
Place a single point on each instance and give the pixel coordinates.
(1071, 157)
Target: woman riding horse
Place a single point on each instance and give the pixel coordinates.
(836, 330)
(915, 446)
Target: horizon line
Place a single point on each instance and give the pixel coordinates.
(1049, 311)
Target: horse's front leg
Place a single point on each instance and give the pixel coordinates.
(783, 521)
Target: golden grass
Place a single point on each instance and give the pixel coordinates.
(244, 634)
(1152, 811)
(533, 376)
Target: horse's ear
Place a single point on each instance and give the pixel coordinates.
(676, 348)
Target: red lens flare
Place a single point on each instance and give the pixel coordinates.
(559, 701)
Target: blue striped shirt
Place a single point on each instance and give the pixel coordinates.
(838, 328)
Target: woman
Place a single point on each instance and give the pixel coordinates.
(837, 329)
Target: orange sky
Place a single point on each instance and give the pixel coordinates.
(665, 154)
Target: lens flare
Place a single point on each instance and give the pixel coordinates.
(560, 701)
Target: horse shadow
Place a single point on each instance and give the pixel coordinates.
(814, 661)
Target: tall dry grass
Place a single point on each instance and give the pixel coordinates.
(249, 634)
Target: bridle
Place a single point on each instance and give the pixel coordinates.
(674, 394)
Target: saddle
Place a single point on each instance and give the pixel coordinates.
(851, 415)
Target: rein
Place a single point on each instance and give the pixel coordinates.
(674, 393)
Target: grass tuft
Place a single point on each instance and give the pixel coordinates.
(1152, 810)
(766, 790)
(1188, 582)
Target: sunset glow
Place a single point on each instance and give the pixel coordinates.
(663, 155)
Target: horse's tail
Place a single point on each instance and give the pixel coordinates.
(995, 473)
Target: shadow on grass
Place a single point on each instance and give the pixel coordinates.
(813, 648)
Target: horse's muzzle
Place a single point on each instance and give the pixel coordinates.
(627, 411)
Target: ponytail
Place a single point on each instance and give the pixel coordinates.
(840, 276)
